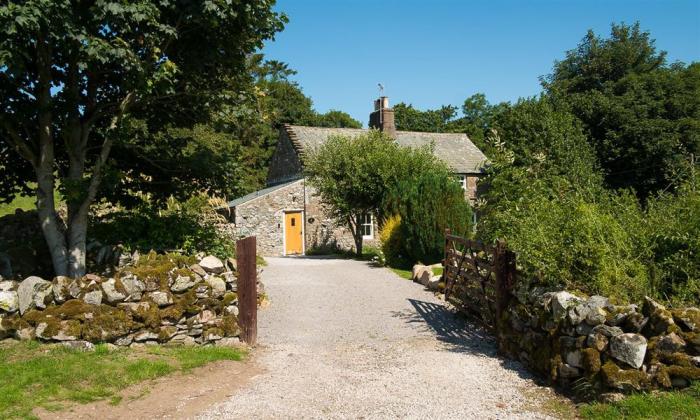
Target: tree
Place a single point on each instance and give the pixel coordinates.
(477, 115)
(348, 186)
(72, 75)
(388, 180)
(552, 140)
(352, 188)
(337, 119)
(641, 116)
(408, 118)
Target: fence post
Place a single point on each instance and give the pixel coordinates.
(504, 262)
(247, 289)
(444, 265)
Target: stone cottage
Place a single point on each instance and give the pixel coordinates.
(287, 216)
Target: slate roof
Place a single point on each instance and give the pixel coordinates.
(259, 193)
(455, 149)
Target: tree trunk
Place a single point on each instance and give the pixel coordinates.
(50, 225)
(358, 244)
(44, 165)
(77, 238)
(357, 236)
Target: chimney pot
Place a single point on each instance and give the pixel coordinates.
(383, 117)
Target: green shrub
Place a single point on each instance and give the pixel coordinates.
(570, 241)
(189, 227)
(428, 203)
(392, 242)
(579, 235)
(673, 222)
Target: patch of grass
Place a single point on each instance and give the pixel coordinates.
(437, 271)
(406, 274)
(24, 202)
(34, 375)
(20, 202)
(682, 404)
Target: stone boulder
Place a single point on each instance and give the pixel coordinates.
(629, 348)
(68, 330)
(75, 288)
(560, 303)
(229, 342)
(626, 380)
(113, 295)
(419, 271)
(9, 301)
(161, 298)
(8, 285)
(60, 288)
(34, 292)
(670, 343)
(218, 286)
(660, 318)
(182, 283)
(434, 282)
(607, 330)
(687, 318)
(198, 270)
(133, 287)
(93, 298)
(212, 265)
(79, 345)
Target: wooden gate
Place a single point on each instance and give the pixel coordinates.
(478, 277)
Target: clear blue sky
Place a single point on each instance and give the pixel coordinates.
(430, 53)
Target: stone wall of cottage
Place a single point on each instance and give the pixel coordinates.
(322, 232)
(285, 164)
(263, 217)
(155, 298)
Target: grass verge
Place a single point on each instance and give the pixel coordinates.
(24, 202)
(49, 376)
(681, 404)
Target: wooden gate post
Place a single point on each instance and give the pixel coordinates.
(445, 274)
(504, 264)
(247, 289)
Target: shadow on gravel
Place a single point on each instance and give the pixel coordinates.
(451, 328)
(458, 333)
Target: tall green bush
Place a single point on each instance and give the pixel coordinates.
(428, 202)
(188, 226)
(673, 222)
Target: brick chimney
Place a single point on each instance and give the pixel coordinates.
(383, 117)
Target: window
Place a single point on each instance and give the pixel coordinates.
(365, 226)
(462, 179)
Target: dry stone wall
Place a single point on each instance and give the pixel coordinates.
(576, 340)
(156, 299)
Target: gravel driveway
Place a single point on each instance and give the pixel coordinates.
(342, 339)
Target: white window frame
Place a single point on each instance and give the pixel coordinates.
(370, 224)
(462, 179)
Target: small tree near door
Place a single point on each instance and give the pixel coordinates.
(354, 175)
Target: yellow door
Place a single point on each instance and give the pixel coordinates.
(293, 233)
